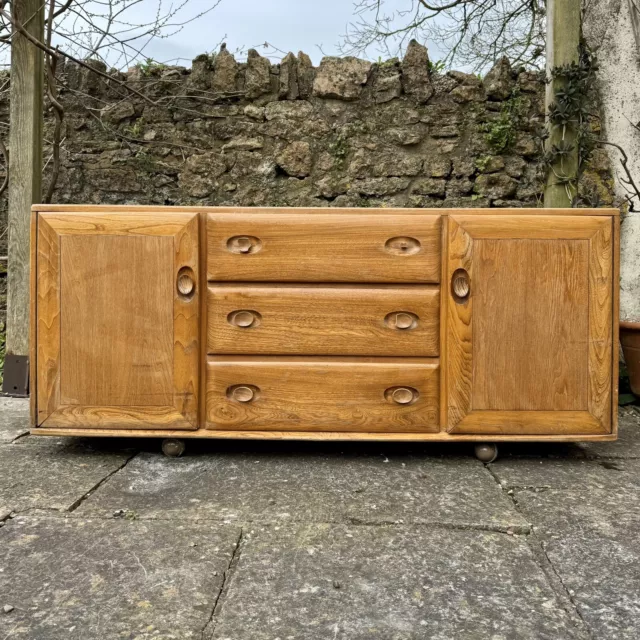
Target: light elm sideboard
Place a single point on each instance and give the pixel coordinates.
(354, 324)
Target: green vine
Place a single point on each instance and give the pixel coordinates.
(569, 125)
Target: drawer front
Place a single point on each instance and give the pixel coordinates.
(368, 320)
(323, 247)
(322, 394)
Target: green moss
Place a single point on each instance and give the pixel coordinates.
(339, 149)
(482, 162)
(501, 133)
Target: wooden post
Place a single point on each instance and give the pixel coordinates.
(563, 42)
(25, 166)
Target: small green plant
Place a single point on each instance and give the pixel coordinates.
(501, 133)
(136, 129)
(151, 68)
(436, 67)
(391, 62)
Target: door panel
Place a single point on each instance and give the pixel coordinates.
(298, 393)
(529, 349)
(531, 313)
(280, 319)
(118, 320)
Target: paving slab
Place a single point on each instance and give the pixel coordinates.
(568, 473)
(342, 582)
(280, 486)
(14, 418)
(591, 535)
(52, 477)
(68, 578)
(628, 443)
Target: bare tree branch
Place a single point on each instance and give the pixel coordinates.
(473, 33)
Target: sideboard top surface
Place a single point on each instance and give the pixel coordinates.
(94, 208)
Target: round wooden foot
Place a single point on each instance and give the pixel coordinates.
(173, 448)
(486, 452)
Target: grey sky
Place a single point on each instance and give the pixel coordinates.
(290, 25)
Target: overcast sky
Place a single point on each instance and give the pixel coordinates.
(313, 26)
(290, 25)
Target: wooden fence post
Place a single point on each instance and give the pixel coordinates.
(563, 42)
(25, 170)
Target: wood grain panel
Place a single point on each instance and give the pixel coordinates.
(120, 222)
(600, 324)
(459, 361)
(531, 325)
(187, 361)
(118, 418)
(237, 210)
(444, 310)
(117, 320)
(130, 335)
(320, 436)
(322, 394)
(530, 350)
(33, 318)
(48, 320)
(530, 422)
(325, 319)
(329, 247)
(535, 227)
(615, 338)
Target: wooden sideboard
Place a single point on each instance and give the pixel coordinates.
(369, 324)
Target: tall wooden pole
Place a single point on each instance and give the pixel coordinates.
(25, 166)
(563, 42)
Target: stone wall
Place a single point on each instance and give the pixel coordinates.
(347, 133)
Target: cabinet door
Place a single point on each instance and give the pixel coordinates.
(529, 324)
(117, 320)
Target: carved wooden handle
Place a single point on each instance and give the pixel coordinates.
(402, 246)
(244, 318)
(402, 320)
(403, 395)
(460, 285)
(244, 244)
(242, 393)
(185, 283)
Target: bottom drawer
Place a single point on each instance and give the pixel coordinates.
(322, 394)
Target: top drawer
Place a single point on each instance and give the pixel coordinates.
(313, 246)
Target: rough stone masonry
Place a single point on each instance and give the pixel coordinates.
(347, 133)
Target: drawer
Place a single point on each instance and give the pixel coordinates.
(322, 394)
(368, 320)
(307, 246)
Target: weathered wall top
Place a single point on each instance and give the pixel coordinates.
(347, 133)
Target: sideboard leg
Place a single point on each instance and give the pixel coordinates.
(173, 448)
(486, 452)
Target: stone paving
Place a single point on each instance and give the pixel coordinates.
(108, 539)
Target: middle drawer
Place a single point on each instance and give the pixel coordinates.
(280, 319)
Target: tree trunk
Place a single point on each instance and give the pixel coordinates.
(563, 41)
(25, 166)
